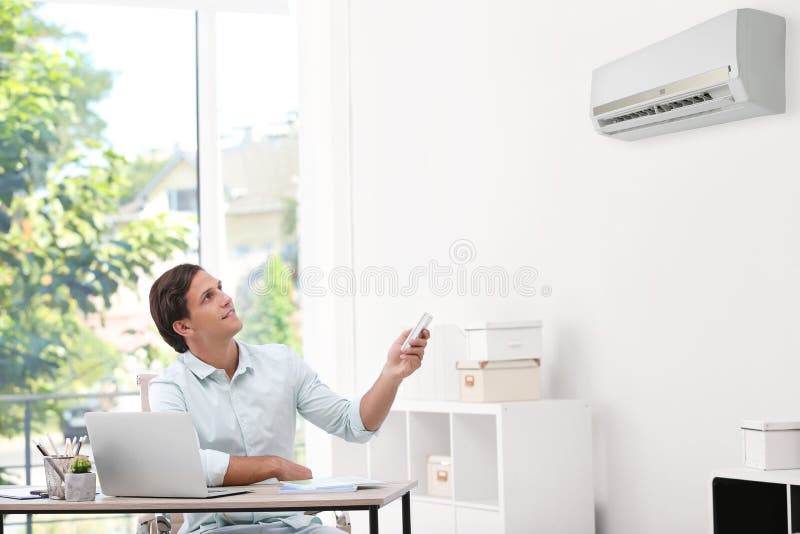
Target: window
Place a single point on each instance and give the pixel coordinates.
(101, 184)
(257, 120)
(183, 200)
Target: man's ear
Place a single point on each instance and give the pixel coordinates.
(181, 327)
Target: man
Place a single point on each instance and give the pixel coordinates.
(243, 398)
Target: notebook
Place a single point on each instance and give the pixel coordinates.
(22, 493)
(329, 485)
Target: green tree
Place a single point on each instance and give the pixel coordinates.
(64, 252)
(268, 306)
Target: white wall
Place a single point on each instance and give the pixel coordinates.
(673, 261)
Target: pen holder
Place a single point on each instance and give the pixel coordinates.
(54, 469)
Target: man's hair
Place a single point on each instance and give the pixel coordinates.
(168, 302)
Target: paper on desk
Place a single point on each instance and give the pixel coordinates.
(21, 493)
(328, 485)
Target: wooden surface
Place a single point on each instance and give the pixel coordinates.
(263, 498)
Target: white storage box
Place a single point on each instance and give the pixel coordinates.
(497, 381)
(440, 476)
(504, 341)
(771, 444)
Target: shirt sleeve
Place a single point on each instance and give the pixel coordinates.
(167, 397)
(324, 408)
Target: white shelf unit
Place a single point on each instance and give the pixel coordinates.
(518, 467)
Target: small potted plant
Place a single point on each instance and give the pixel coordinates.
(80, 484)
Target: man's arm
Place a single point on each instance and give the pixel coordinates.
(221, 468)
(376, 403)
(244, 470)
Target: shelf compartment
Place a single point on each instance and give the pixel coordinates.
(387, 451)
(748, 506)
(432, 517)
(475, 473)
(429, 433)
(471, 520)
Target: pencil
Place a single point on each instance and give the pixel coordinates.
(52, 444)
(40, 448)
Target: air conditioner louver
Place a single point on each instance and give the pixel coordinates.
(676, 107)
(670, 108)
(664, 107)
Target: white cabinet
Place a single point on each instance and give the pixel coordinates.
(518, 467)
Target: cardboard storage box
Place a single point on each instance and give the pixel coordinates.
(497, 381)
(520, 340)
(771, 444)
(440, 476)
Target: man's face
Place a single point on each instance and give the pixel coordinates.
(211, 313)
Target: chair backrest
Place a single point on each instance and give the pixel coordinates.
(143, 380)
(151, 520)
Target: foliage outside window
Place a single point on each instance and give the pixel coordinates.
(64, 248)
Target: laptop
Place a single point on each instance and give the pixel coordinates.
(147, 454)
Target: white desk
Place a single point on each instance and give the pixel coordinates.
(263, 499)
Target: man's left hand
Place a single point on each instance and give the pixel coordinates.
(401, 363)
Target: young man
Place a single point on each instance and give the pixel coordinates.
(243, 398)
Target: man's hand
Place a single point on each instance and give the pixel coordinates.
(244, 470)
(376, 403)
(288, 470)
(401, 363)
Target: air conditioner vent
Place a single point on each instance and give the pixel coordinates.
(662, 107)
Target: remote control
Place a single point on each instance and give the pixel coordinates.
(422, 324)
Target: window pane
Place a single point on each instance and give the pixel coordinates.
(258, 106)
(98, 188)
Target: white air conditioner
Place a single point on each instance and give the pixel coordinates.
(725, 69)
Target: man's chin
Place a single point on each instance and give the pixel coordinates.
(237, 325)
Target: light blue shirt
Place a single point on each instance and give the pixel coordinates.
(252, 415)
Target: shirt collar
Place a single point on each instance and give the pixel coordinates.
(202, 370)
(245, 359)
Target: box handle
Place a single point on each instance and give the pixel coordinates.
(441, 475)
(514, 344)
(469, 381)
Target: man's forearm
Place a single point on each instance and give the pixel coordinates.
(244, 470)
(376, 403)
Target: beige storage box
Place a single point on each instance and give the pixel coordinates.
(508, 380)
(772, 444)
(440, 476)
(520, 340)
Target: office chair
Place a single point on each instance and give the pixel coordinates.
(165, 523)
